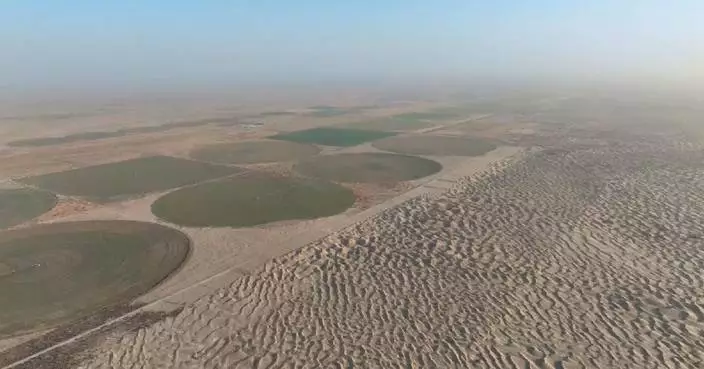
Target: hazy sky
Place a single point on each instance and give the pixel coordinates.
(50, 43)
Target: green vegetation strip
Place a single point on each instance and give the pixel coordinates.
(19, 205)
(252, 199)
(251, 152)
(368, 167)
(54, 273)
(333, 136)
(435, 145)
(114, 181)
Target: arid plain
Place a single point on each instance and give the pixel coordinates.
(532, 232)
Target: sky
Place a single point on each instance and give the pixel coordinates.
(47, 44)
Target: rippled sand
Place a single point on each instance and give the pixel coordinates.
(585, 253)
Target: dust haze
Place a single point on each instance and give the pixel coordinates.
(390, 185)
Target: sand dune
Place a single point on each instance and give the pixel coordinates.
(579, 255)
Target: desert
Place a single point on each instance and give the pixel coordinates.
(559, 237)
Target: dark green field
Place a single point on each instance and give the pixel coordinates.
(435, 145)
(333, 136)
(51, 274)
(252, 199)
(113, 181)
(408, 121)
(251, 152)
(368, 167)
(22, 204)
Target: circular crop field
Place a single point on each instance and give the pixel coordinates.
(54, 273)
(435, 145)
(252, 199)
(368, 167)
(252, 152)
(18, 205)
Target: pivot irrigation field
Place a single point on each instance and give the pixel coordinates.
(409, 121)
(252, 152)
(54, 273)
(368, 167)
(19, 205)
(394, 123)
(333, 136)
(252, 199)
(113, 181)
(435, 145)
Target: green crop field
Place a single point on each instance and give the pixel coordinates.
(435, 145)
(54, 273)
(19, 205)
(250, 152)
(252, 199)
(333, 136)
(393, 123)
(115, 181)
(368, 167)
(408, 121)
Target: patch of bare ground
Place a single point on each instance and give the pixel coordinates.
(370, 194)
(66, 207)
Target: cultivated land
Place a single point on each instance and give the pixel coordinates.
(435, 145)
(52, 274)
(254, 152)
(333, 136)
(129, 178)
(577, 246)
(18, 205)
(252, 199)
(399, 122)
(100, 135)
(368, 167)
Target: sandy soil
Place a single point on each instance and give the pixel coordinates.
(583, 251)
(573, 256)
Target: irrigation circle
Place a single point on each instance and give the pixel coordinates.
(18, 205)
(368, 167)
(252, 199)
(435, 145)
(54, 273)
(253, 152)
